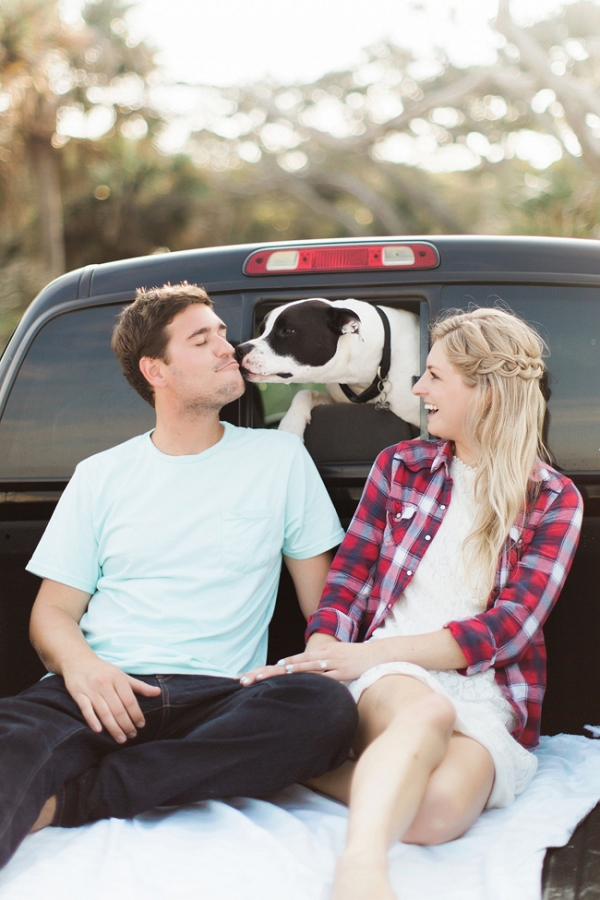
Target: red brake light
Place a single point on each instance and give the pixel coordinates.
(343, 259)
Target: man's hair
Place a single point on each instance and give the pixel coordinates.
(142, 328)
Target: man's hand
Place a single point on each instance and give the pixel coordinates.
(104, 694)
(106, 697)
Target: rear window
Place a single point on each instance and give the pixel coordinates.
(274, 399)
(70, 399)
(568, 318)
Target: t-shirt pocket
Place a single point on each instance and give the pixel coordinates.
(247, 541)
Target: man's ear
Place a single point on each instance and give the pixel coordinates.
(343, 321)
(152, 370)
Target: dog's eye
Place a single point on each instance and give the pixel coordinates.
(286, 332)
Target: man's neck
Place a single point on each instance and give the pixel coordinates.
(176, 436)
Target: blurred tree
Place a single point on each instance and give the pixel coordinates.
(400, 145)
(559, 60)
(74, 120)
(59, 79)
(101, 158)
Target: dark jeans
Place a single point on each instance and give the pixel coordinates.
(204, 738)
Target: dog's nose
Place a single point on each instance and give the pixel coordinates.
(241, 350)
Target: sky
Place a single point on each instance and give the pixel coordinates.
(232, 42)
(235, 41)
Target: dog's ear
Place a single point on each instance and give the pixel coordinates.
(343, 321)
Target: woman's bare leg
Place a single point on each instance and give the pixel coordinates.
(46, 816)
(336, 783)
(407, 730)
(456, 794)
(453, 800)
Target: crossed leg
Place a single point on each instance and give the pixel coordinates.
(415, 779)
(46, 815)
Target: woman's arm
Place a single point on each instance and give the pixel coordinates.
(497, 637)
(501, 635)
(344, 662)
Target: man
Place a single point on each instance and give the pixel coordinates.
(160, 570)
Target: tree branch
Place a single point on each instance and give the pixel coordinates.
(392, 222)
(575, 99)
(305, 192)
(420, 195)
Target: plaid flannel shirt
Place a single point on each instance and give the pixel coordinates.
(402, 506)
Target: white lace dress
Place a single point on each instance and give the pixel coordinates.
(483, 712)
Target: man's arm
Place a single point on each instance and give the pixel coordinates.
(309, 577)
(104, 694)
(345, 602)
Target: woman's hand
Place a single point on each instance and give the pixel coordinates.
(260, 674)
(325, 655)
(340, 661)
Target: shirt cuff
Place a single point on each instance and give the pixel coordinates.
(333, 622)
(476, 642)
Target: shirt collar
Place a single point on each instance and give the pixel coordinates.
(545, 475)
(444, 457)
(428, 455)
(432, 455)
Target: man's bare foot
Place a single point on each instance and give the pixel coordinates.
(46, 816)
(361, 879)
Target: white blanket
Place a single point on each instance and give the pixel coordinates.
(286, 849)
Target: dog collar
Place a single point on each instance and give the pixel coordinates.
(376, 386)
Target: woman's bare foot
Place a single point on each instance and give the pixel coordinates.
(46, 816)
(361, 879)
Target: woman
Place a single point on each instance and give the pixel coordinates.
(433, 608)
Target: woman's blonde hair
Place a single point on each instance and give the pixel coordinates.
(500, 356)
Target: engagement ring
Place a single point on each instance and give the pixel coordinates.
(323, 665)
(289, 668)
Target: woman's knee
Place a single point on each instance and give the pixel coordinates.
(430, 717)
(437, 712)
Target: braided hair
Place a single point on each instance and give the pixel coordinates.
(500, 356)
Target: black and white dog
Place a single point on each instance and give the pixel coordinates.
(362, 353)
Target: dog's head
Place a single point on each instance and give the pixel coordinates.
(298, 341)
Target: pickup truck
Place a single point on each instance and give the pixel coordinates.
(63, 398)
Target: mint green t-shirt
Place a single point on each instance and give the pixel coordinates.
(182, 554)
